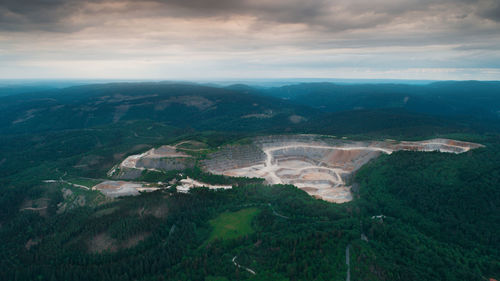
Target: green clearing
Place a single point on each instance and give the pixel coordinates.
(230, 225)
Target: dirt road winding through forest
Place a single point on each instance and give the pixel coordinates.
(240, 266)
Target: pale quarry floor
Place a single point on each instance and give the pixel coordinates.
(321, 169)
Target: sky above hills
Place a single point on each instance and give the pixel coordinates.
(221, 39)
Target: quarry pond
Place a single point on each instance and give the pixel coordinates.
(319, 165)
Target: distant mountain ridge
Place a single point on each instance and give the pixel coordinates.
(174, 104)
(440, 98)
(310, 107)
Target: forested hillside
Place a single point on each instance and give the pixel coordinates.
(438, 211)
(465, 98)
(415, 216)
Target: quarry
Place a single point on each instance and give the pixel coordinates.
(318, 165)
(165, 157)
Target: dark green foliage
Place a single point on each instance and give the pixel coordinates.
(307, 245)
(180, 105)
(469, 98)
(387, 123)
(441, 211)
(202, 176)
(442, 219)
(154, 176)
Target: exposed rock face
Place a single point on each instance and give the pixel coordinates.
(163, 158)
(234, 156)
(126, 173)
(316, 164)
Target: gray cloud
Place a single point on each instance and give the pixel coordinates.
(333, 15)
(491, 11)
(302, 34)
(42, 15)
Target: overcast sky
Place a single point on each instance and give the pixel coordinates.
(224, 39)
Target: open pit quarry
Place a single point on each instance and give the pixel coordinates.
(319, 165)
(165, 157)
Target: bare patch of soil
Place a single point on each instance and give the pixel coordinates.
(31, 243)
(102, 242)
(134, 240)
